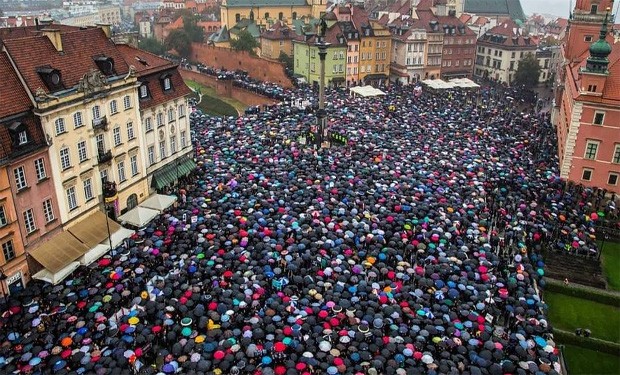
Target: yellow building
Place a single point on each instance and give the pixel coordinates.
(267, 12)
(85, 95)
(276, 39)
(375, 46)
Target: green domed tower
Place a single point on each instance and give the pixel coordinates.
(599, 52)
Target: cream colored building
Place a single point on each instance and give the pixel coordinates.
(86, 97)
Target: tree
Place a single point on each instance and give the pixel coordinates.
(152, 45)
(244, 42)
(286, 60)
(191, 28)
(179, 41)
(528, 71)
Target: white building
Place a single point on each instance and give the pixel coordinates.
(499, 51)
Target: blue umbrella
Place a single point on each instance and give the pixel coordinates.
(34, 361)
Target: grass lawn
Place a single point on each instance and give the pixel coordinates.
(215, 105)
(610, 258)
(569, 313)
(582, 361)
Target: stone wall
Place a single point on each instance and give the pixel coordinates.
(226, 89)
(257, 68)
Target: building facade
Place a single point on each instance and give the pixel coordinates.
(587, 100)
(165, 132)
(408, 52)
(266, 12)
(459, 49)
(276, 39)
(307, 63)
(499, 51)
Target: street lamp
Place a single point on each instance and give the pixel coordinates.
(109, 196)
(321, 115)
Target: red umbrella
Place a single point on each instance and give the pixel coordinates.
(279, 347)
(219, 355)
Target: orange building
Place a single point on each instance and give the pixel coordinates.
(587, 100)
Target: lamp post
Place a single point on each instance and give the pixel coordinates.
(109, 196)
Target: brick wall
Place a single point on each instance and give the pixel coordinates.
(228, 59)
(225, 88)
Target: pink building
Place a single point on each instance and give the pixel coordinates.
(587, 112)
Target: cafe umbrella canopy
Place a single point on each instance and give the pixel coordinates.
(375, 257)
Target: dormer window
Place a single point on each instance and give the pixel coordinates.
(105, 64)
(19, 134)
(144, 91)
(166, 81)
(51, 77)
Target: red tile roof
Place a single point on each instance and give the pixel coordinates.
(151, 74)
(278, 31)
(465, 17)
(13, 97)
(29, 31)
(611, 92)
(509, 30)
(76, 59)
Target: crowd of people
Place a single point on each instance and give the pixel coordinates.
(414, 248)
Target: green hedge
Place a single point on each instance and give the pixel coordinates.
(566, 337)
(592, 294)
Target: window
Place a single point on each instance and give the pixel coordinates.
(173, 144)
(266, 15)
(616, 158)
(22, 137)
(60, 126)
(162, 149)
(591, 150)
(171, 115)
(71, 199)
(183, 139)
(116, 135)
(237, 17)
(294, 15)
(148, 124)
(160, 119)
(65, 159)
(77, 120)
(20, 178)
(127, 102)
(594, 9)
(81, 147)
(103, 174)
(3, 220)
(130, 133)
(586, 175)
(48, 210)
(113, 107)
(88, 190)
(280, 16)
(39, 167)
(133, 162)
(181, 111)
(121, 171)
(598, 118)
(591, 88)
(96, 112)
(144, 91)
(167, 84)
(151, 153)
(29, 221)
(8, 251)
(587, 38)
(612, 179)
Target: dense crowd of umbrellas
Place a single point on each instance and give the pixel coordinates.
(413, 249)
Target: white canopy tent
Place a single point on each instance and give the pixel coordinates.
(138, 216)
(366, 91)
(464, 82)
(94, 254)
(159, 202)
(58, 276)
(118, 237)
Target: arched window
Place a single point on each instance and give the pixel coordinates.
(280, 16)
(294, 15)
(132, 201)
(237, 17)
(266, 15)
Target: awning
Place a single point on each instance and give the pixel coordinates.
(159, 202)
(56, 277)
(170, 172)
(138, 216)
(57, 253)
(102, 248)
(93, 230)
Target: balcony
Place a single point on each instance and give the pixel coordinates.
(110, 192)
(100, 123)
(104, 156)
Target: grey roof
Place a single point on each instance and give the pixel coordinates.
(508, 7)
(220, 36)
(264, 3)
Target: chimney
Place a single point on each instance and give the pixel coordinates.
(54, 37)
(107, 29)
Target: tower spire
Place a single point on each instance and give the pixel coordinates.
(599, 51)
